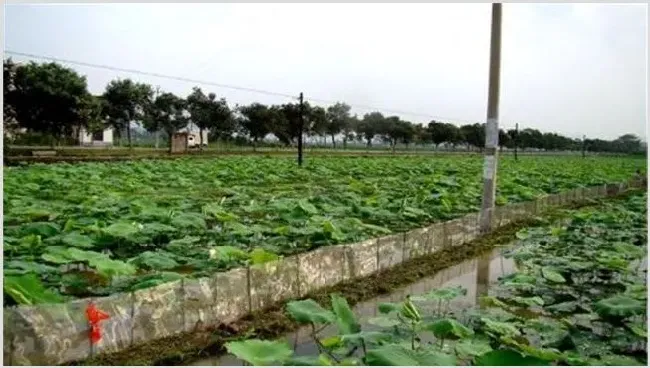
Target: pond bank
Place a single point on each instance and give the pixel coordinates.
(273, 322)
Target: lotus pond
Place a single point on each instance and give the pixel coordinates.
(578, 297)
(93, 229)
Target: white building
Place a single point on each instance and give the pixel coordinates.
(194, 136)
(105, 137)
(99, 138)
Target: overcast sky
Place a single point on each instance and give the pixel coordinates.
(569, 68)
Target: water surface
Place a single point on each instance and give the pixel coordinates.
(475, 275)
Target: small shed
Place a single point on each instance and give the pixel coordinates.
(194, 135)
(179, 142)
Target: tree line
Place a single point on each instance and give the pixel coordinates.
(54, 100)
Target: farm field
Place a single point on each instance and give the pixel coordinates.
(98, 228)
(577, 297)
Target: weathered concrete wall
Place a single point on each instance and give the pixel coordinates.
(273, 281)
(56, 334)
(322, 267)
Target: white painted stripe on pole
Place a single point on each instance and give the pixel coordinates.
(488, 167)
(492, 132)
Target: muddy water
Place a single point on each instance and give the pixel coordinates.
(475, 275)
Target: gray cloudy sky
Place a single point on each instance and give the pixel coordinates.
(570, 68)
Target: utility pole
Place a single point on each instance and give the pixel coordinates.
(516, 138)
(301, 124)
(157, 134)
(492, 124)
(584, 144)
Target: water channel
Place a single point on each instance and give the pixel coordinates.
(475, 275)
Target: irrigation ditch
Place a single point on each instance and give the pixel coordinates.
(475, 275)
(184, 321)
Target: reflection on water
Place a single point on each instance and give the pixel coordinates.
(475, 275)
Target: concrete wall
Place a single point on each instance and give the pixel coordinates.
(56, 334)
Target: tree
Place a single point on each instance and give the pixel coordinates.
(315, 120)
(628, 143)
(474, 135)
(370, 126)
(338, 117)
(349, 129)
(257, 120)
(504, 139)
(126, 102)
(221, 118)
(455, 135)
(91, 114)
(421, 135)
(514, 138)
(170, 112)
(153, 116)
(8, 87)
(440, 132)
(286, 124)
(394, 130)
(209, 113)
(286, 121)
(407, 132)
(47, 98)
(198, 107)
(531, 138)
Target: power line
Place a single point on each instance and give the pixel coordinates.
(391, 111)
(151, 74)
(229, 86)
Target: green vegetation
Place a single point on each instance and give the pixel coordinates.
(579, 297)
(52, 103)
(94, 229)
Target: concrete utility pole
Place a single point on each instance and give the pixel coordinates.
(492, 124)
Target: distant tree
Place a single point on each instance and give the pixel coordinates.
(198, 106)
(440, 132)
(421, 134)
(172, 113)
(513, 134)
(211, 114)
(531, 138)
(474, 135)
(338, 118)
(504, 139)
(8, 87)
(256, 121)
(152, 117)
(126, 102)
(394, 130)
(628, 143)
(407, 132)
(389, 131)
(455, 135)
(286, 126)
(349, 129)
(91, 114)
(370, 126)
(47, 98)
(315, 120)
(221, 118)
